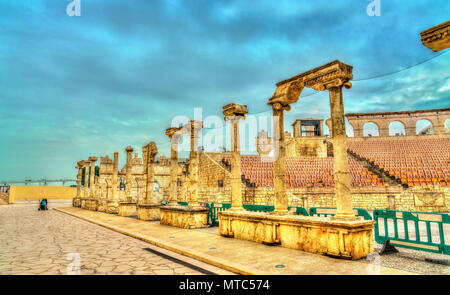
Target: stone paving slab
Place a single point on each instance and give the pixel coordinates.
(36, 242)
(238, 256)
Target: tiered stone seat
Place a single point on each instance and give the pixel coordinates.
(303, 172)
(414, 161)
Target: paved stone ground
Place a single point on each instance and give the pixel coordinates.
(39, 242)
(406, 259)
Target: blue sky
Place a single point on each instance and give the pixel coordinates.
(74, 87)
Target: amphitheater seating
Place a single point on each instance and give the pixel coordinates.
(303, 172)
(413, 161)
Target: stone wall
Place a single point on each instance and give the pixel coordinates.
(306, 146)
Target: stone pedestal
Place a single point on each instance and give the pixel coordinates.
(112, 207)
(127, 209)
(76, 202)
(102, 205)
(184, 216)
(91, 204)
(346, 239)
(148, 212)
(83, 203)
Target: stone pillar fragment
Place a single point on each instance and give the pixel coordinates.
(128, 185)
(174, 134)
(79, 175)
(92, 177)
(281, 197)
(86, 178)
(113, 202)
(149, 209)
(194, 128)
(233, 113)
(342, 178)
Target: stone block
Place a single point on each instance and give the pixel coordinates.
(184, 216)
(127, 209)
(148, 212)
(76, 202)
(346, 239)
(112, 207)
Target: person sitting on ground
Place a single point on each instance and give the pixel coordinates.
(43, 205)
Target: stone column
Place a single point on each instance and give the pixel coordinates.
(151, 151)
(86, 179)
(80, 170)
(92, 177)
(233, 113)
(174, 134)
(281, 197)
(194, 128)
(341, 168)
(115, 176)
(128, 185)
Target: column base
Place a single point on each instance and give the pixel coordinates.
(148, 212)
(102, 204)
(112, 207)
(184, 216)
(321, 235)
(83, 203)
(91, 204)
(127, 209)
(76, 202)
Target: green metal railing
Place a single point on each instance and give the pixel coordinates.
(164, 203)
(298, 210)
(214, 208)
(258, 208)
(329, 211)
(407, 224)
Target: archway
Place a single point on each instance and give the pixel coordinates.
(396, 128)
(155, 186)
(371, 129)
(424, 127)
(447, 126)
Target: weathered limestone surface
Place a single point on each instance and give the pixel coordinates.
(76, 201)
(184, 216)
(91, 204)
(127, 209)
(234, 113)
(149, 208)
(112, 206)
(148, 212)
(346, 239)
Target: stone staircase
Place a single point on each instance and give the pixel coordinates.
(392, 181)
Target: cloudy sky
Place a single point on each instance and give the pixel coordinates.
(124, 71)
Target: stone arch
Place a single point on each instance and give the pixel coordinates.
(422, 127)
(447, 125)
(349, 129)
(397, 127)
(372, 133)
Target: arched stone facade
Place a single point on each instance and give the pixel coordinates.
(409, 119)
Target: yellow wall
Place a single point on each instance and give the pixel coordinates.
(26, 192)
